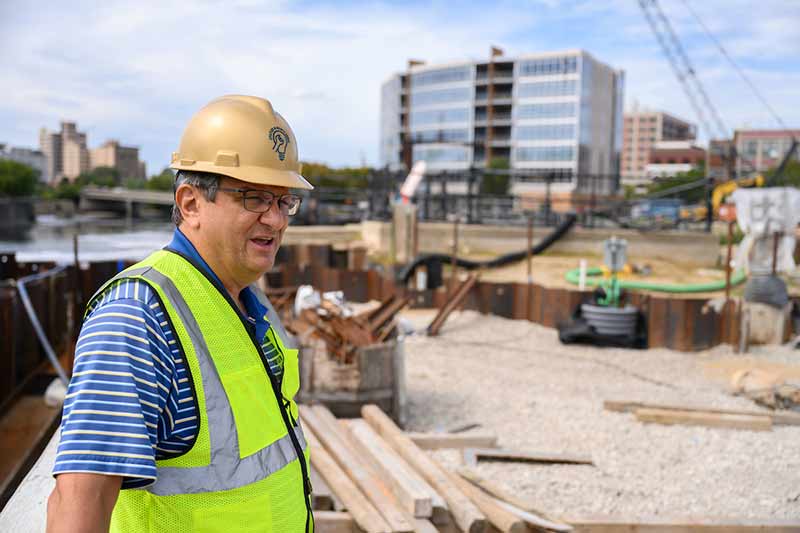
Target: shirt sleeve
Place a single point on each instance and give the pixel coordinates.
(119, 388)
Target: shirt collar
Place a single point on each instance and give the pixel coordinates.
(257, 312)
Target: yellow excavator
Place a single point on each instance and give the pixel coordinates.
(723, 190)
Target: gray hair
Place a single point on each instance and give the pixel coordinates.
(207, 182)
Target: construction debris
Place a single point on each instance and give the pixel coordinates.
(777, 418)
(435, 441)
(473, 455)
(454, 301)
(767, 388)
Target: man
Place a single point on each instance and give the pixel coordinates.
(180, 413)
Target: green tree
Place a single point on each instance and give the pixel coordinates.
(161, 182)
(321, 175)
(99, 177)
(682, 178)
(496, 182)
(790, 176)
(17, 179)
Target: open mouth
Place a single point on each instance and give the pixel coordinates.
(265, 241)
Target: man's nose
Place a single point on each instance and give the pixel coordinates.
(273, 217)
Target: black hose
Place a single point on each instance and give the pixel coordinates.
(426, 259)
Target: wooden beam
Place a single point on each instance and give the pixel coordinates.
(334, 522)
(522, 508)
(410, 489)
(465, 513)
(321, 495)
(696, 418)
(500, 518)
(330, 433)
(473, 455)
(451, 304)
(435, 441)
(363, 512)
(778, 418)
(682, 525)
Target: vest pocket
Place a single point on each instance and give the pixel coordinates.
(255, 410)
(253, 515)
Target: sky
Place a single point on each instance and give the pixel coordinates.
(137, 71)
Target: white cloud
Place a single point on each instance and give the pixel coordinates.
(137, 71)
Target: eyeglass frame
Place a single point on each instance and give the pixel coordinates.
(263, 193)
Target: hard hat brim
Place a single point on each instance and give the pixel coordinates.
(251, 174)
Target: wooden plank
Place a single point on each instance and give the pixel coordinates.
(787, 418)
(682, 525)
(321, 495)
(24, 432)
(694, 418)
(473, 455)
(522, 508)
(435, 441)
(360, 508)
(458, 297)
(500, 517)
(330, 433)
(409, 488)
(334, 522)
(466, 515)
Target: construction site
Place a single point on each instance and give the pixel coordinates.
(563, 356)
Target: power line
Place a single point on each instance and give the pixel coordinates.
(735, 65)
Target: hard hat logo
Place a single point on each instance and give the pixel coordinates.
(280, 141)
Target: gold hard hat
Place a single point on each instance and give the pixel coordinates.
(244, 138)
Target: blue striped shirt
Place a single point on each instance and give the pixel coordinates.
(130, 399)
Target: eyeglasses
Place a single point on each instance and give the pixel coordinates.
(261, 201)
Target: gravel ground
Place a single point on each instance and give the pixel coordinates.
(516, 380)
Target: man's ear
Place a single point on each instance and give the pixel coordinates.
(188, 201)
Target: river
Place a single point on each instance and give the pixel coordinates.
(99, 239)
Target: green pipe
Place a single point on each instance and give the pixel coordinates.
(574, 275)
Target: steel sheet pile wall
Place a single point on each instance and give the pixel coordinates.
(58, 301)
(685, 324)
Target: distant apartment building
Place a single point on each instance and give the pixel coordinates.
(642, 130)
(761, 150)
(27, 156)
(66, 152)
(554, 114)
(125, 159)
(669, 158)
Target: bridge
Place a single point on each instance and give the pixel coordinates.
(122, 200)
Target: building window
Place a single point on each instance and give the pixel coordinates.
(548, 88)
(545, 153)
(447, 75)
(441, 96)
(448, 135)
(551, 110)
(438, 116)
(548, 66)
(544, 132)
(441, 154)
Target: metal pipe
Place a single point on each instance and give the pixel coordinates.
(37, 326)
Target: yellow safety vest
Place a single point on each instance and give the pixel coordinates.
(247, 471)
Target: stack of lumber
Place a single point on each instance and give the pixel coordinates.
(344, 334)
(368, 475)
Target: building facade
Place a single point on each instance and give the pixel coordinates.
(555, 114)
(669, 158)
(33, 158)
(761, 150)
(65, 151)
(125, 159)
(642, 130)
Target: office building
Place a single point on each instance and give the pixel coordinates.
(670, 158)
(642, 130)
(761, 150)
(27, 156)
(125, 159)
(555, 114)
(65, 151)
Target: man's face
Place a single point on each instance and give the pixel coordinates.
(242, 244)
